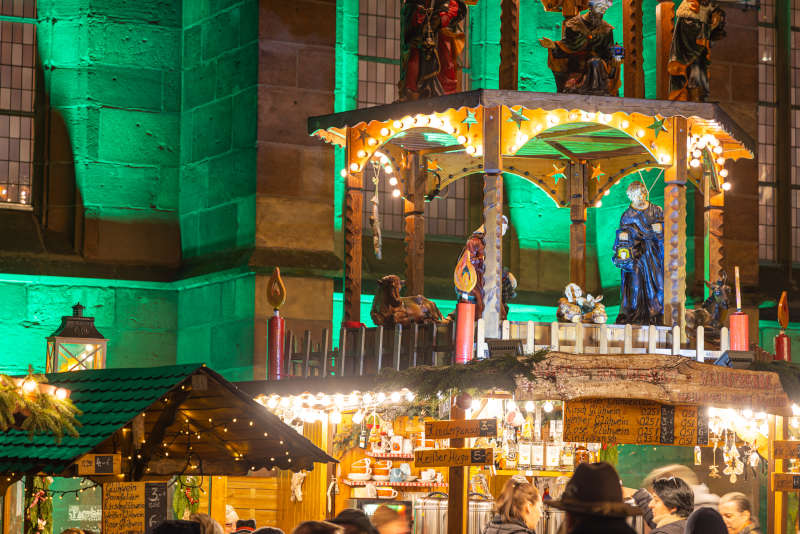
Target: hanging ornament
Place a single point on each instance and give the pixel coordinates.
(375, 219)
(714, 468)
(698, 455)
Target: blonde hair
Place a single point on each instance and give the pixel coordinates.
(515, 495)
(207, 524)
(741, 500)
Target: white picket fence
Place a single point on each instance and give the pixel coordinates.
(579, 338)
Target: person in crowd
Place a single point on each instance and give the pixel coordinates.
(705, 521)
(593, 502)
(72, 531)
(245, 526)
(389, 521)
(177, 526)
(737, 513)
(318, 527)
(231, 517)
(671, 503)
(207, 524)
(268, 530)
(517, 510)
(354, 521)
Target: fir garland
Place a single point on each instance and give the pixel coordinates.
(39, 507)
(788, 372)
(475, 377)
(186, 499)
(36, 413)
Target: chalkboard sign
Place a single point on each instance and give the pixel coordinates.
(133, 507)
(104, 464)
(702, 427)
(785, 482)
(453, 457)
(667, 424)
(100, 464)
(627, 421)
(155, 504)
(471, 428)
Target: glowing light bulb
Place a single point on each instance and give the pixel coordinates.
(449, 128)
(384, 131)
(354, 167)
(625, 124)
(335, 417)
(694, 163)
(408, 122)
(61, 393)
(726, 186)
(511, 405)
(718, 149)
(747, 413)
(607, 192)
(381, 397)
(272, 403)
(723, 172)
(29, 386)
(395, 396)
(640, 133)
(392, 181)
(547, 406)
(410, 396)
(598, 204)
(388, 169)
(358, 417)
(343, 173)
(436, 122)
(664, 159)
(552, 120)
(529, 406)
(421, 120)
(696, 153)
(573, 116)
(372, 142)
(368, 398)
(461, 139)
(395, 193)
(397, 125)
(470, 149)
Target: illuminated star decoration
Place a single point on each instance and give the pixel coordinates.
(470, 119)
(657, 126)
(518, 117)
(597, 173)
(558, 172)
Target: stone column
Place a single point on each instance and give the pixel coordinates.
(675, 177)
(577, 230)
(665, 16)
(492, 222)
(414, 226)
(353, 222)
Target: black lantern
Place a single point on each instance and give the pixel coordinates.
(76, 345)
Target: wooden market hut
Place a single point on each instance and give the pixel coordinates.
(574, 147)
(162, 422)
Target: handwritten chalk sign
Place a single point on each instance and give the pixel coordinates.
(635, 422)
(453, 457)
(785, 482)
(133, 507)
(100, 464)
(473, 428)
(786, 450)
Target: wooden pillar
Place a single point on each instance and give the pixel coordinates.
(776, 500)
(457, 501)
(492, 222)
(632, 38)
(675, 177)
(509, 45)
(353, 221)
(414, 219)
(713, 205)
(665, 24)
(577, 230)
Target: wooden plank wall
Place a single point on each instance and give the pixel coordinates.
(255, 497)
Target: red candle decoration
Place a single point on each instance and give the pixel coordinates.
(276, 296)
(783, 343)
(465, 278)
(738, 321)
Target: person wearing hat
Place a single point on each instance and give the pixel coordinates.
(245, 526)
(231, 517)
(517, 510)
(354, 521)
(593, 502)
(705, 521)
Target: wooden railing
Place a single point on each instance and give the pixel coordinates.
(365, 351)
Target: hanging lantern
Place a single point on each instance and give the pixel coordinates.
(76, 345)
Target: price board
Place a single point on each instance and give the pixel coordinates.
(785, 482)
(472, 428)
(453, 457)
(635, 422)
(100, 464)
(786, 450)
(133, 507)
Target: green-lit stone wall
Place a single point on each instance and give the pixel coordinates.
(218, 126)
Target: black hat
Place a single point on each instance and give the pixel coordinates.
(177, 526)
(594, 489)
(245, 526)
(353, 516)
(705, 521)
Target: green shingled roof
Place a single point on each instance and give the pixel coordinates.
(108, 398)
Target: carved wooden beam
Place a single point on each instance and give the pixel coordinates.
(414, 226)
(509, 45)
(577, 230)
(665, 15)
(675, 178)
(632, 38)
(492, 222)
(353, 222)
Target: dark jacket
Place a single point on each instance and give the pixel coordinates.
(599, 525)
(676, 527)
(498, 525)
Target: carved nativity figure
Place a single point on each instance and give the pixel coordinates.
(573, 307)
(709, 316)
(697, 23)
(389, 308)
(639, 253)
(584, 61)
(432, 41)
(476, 245)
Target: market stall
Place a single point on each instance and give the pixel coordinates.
(536, 416)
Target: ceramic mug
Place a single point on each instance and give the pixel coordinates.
(382, 467)
(397, 475)
(372, 491)
(361, 466)
(386, 493)
(408, 447)
(427, 475)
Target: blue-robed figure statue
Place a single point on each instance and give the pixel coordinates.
(639, 252)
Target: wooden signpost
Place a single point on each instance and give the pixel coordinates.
(786, 450)
(471, 428)
(785, 481)
(100, 464)
(133, 507)
(453, 457)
